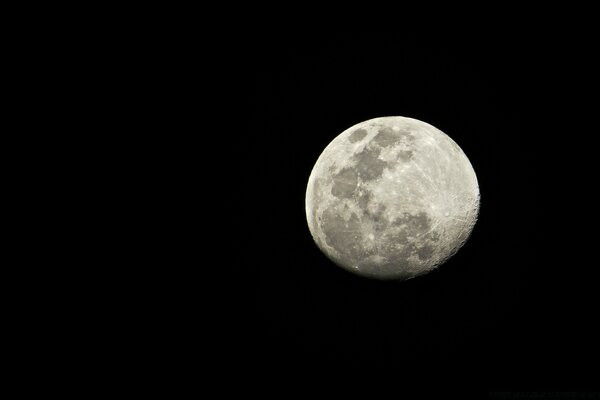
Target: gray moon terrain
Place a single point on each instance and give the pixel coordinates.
(391, 198)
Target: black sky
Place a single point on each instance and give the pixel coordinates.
(513, 309)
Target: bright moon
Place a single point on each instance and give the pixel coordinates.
(391, 198)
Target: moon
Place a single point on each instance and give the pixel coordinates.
(391, 198)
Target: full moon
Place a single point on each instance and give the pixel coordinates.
(391, 198)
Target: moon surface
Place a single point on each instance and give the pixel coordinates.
(391, 198)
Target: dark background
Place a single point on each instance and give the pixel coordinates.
(514, 309)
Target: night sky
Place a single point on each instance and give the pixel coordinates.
(512, 310)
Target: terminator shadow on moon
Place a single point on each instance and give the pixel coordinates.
(391, 198)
